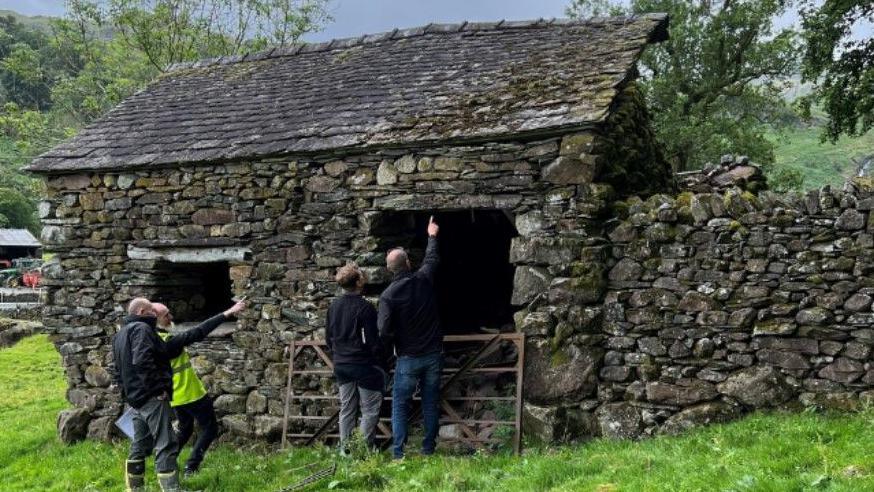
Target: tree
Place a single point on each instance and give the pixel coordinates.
(842, 67)
(172, 31)
(714, 86)
(54, 81)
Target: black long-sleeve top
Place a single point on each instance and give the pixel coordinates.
(350, 331)
(408, 318)
(141, 359)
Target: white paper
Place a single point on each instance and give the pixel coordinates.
(126, 423)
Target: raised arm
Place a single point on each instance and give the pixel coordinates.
(432, 255)
(177, 343)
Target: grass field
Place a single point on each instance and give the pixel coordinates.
(776, 452)
(821, 163)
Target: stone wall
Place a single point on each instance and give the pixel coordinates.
(14, 329)
(723, 303)
(283, 226)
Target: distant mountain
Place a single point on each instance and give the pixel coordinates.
(42, 22)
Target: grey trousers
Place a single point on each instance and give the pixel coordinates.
(153, 430)
(352, 397)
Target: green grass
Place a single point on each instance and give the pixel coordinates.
(820, 163)
(763, 452)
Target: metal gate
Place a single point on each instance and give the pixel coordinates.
(475, 432)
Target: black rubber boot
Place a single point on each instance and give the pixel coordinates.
(134, 475)
(190, 470)
(169, 482)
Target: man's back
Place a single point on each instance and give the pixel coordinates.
(408, 314)
(141, 362)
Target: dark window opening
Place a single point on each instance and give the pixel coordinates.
(194, 291)
(12, 252)
(474, 281)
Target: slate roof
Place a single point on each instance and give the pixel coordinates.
(441, 82)
(18, 237)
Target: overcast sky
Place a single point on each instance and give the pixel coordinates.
(356, 17)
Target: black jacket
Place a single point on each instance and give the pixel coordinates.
(141, 360)
(408, 318)
(350, 331)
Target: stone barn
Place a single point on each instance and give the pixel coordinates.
(261, 174)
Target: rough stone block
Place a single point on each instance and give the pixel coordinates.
(335, 168)
(212, 216)
(703, 414)
(843, 370)
(268, 427)
(576, 144)
(566, 170)
(545, 250)
(386, 174)
(97, 376)
(619, 421)
(757, 387)
(73, 425)
(102, 429)
(685, 393)
(557, 424)
(566, 373)
(238, 424)
(230, 404)
(528, 283)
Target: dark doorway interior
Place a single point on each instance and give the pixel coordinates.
(474, 281)
(194, 291)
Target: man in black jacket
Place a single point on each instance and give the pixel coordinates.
(142, 370)
(408, 320)
(352, 337)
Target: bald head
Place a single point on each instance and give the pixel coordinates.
(140, 306)
(163, 314)
(397, 261)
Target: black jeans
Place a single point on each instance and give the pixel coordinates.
(203, 412)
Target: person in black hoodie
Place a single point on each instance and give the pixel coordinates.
(142, 370)
(352, 337)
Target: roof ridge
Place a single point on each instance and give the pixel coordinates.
(411, 32)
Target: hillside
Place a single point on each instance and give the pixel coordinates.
(821, 163)
(38, 21)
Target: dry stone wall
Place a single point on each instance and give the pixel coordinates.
(724, 303)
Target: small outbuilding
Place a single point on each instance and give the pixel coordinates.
(261, 174)
(18, 243)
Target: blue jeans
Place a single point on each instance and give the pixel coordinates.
(410, 371)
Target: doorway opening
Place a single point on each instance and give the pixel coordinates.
(474, 281)
(194, 291)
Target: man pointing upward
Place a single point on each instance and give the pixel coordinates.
(409, 322)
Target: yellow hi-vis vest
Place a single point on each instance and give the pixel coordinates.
(187, 387)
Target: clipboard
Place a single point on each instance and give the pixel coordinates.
(125, 423)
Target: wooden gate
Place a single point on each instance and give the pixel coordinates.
(475, 432)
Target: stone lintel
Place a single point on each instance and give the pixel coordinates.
(224, 330)
(190, 255)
